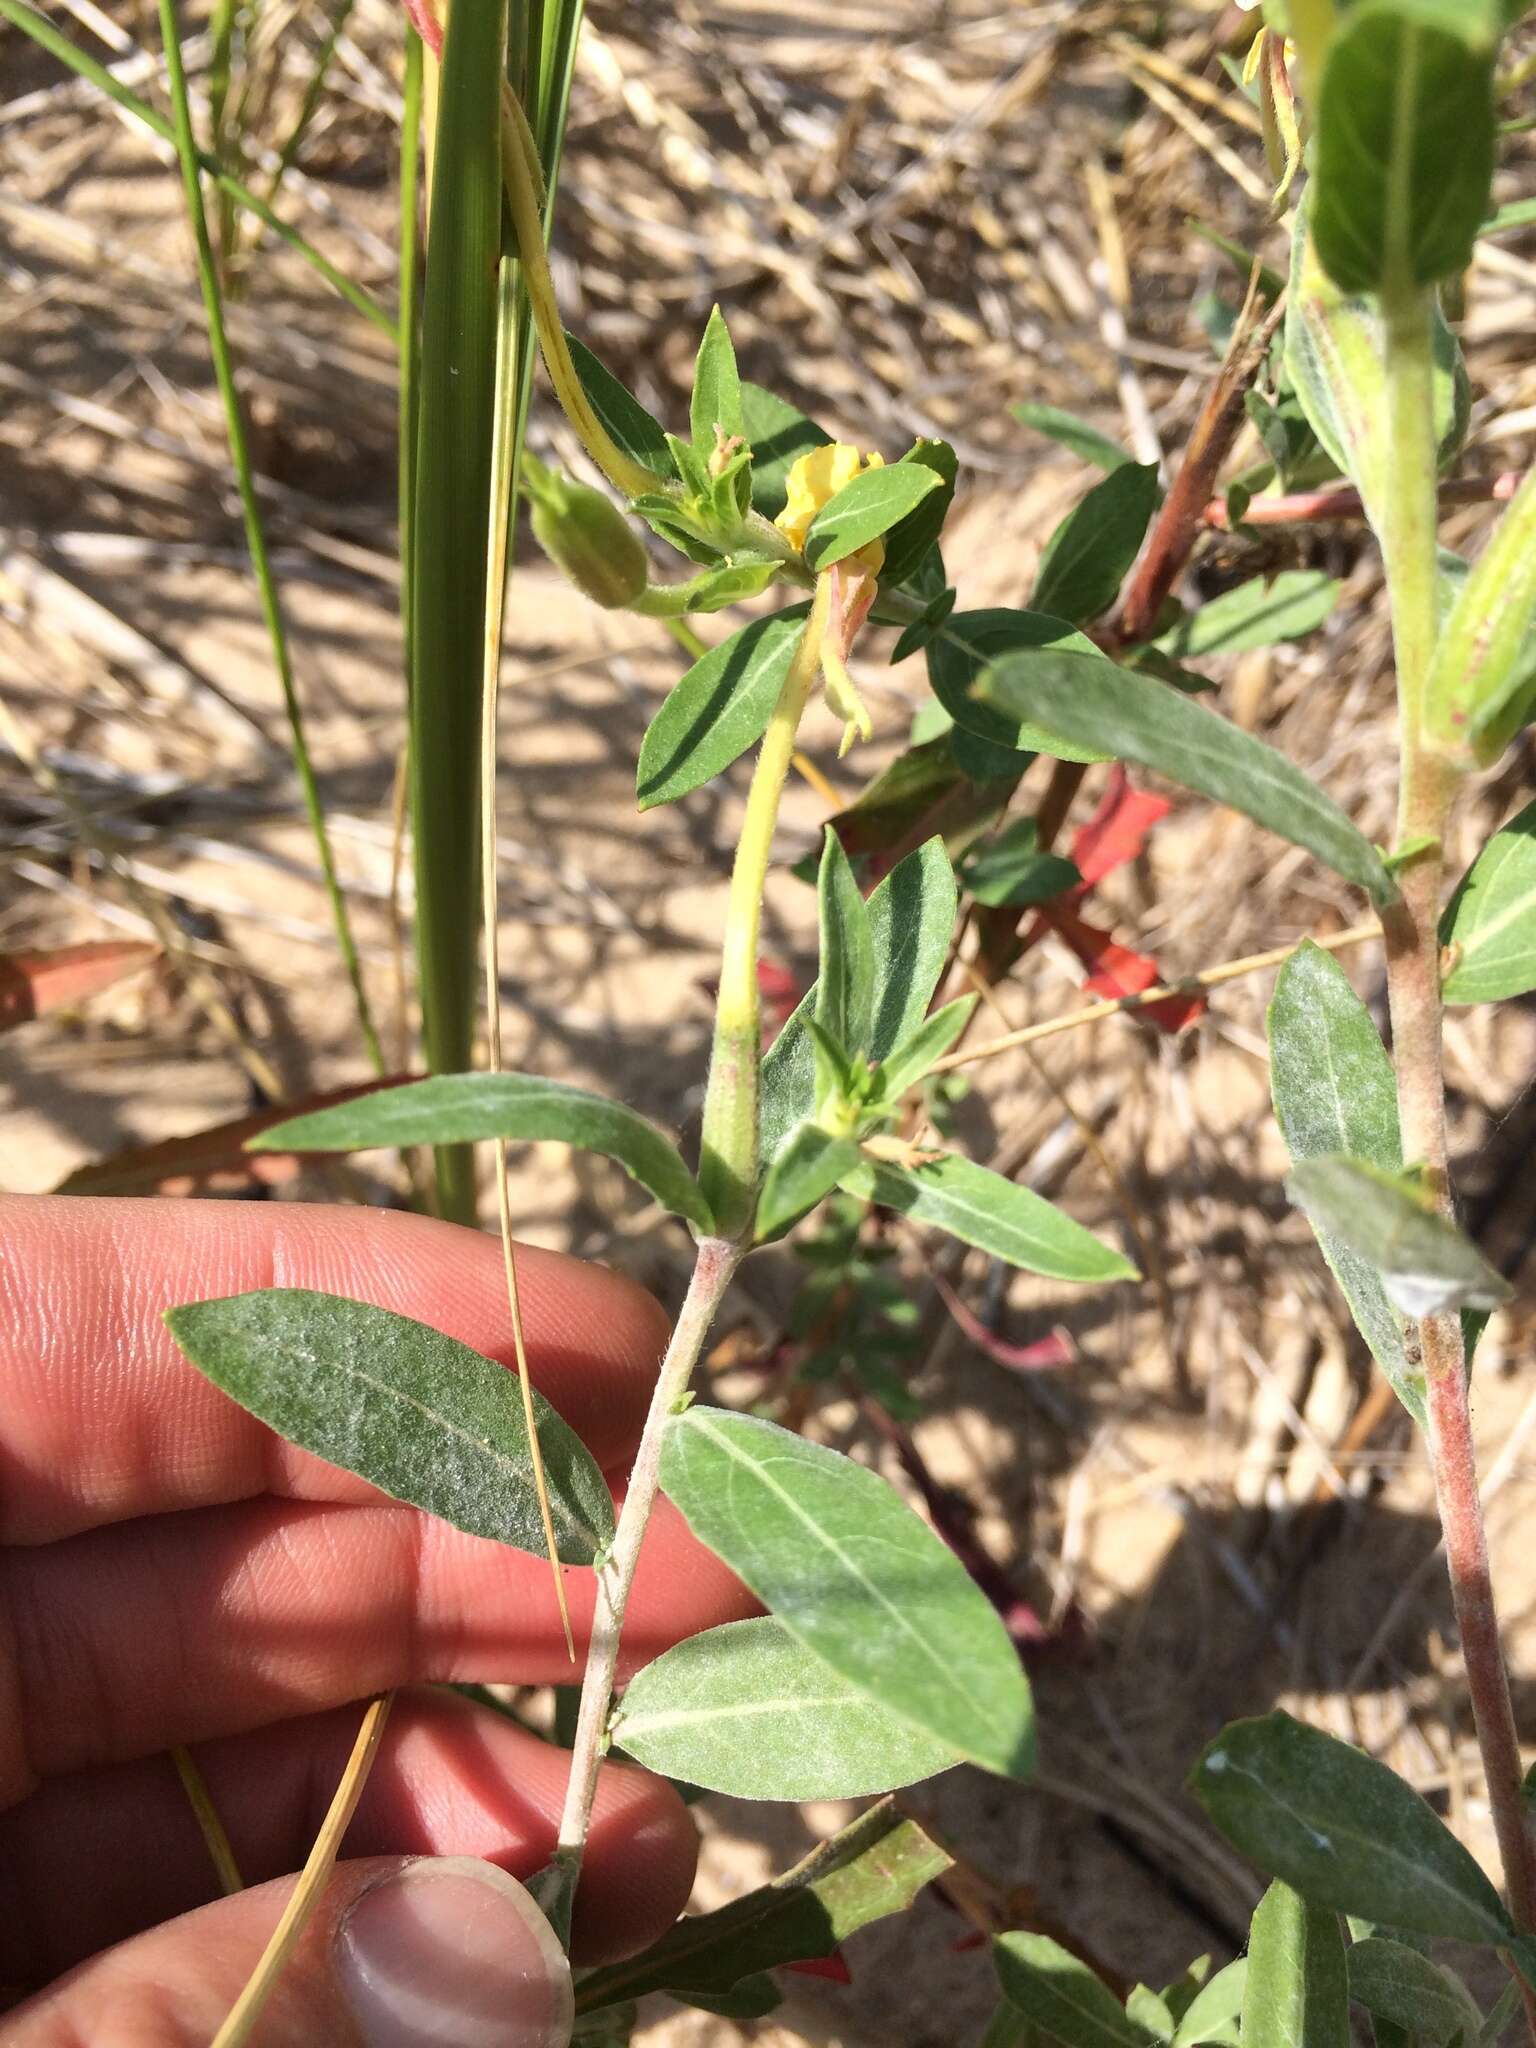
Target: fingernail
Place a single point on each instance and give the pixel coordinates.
(450, 1950)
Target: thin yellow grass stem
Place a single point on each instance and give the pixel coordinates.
(214, 1833)
(503, 485)
(244, 2014)
(1115, 1006)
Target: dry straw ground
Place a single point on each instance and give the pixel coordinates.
(914, 213)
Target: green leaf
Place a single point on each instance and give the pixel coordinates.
(906, 1064)
(1344, 1830)
(1012, 869)
(1150, 2010)
(855, 1576)
(1007, 2028)
(779, 434)
(455, 1109)
(1086, 558)
(908, 543)
(1334, 1091)
(1296, 1992)
(1050, 1987)
(808, 1166)
(1405, 142)
(911, 919)
(998, 1216)
(1255, 614)
(1092, 701)
(966, 645)
(1072, 433)
(865, 508)
(416, 1413)
(719, 709)
(1426, 1264)
(1397, 1984)
(716, 407)
(630, 427)
(1490, 922)
(1212, 2014)
(1480, 681)
(875, 1866)
(1335, 352)
(747, 1710)
(845, 986)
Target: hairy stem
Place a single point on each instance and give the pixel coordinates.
(728, 1150)
(717, 1261)
(1410, 929)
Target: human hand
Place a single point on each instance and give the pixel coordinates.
(174, 1573)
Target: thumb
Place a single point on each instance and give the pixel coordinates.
(424, 1952)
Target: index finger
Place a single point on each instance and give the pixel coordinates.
(102, 1418)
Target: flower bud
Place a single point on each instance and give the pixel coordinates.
(586, 536)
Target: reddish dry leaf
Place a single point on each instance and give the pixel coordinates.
(1046, 1354)
(34, 984)
(1118, 970)
(212, 1161)
(1118, 829)
(834, 1967)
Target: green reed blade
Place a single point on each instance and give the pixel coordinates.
(456, 424)
(255, 533)
(410, 354)
(47, 37)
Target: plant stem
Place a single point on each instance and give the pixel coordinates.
(716, 1263)
(728, 1149)
(255, 532)
(1410, 929)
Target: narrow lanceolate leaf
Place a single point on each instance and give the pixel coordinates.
(998, 1216)
(716, 411)
(808, 1166)
(1344, 1830)
(911, 918)
(1256, 614)
(865, 509)
(1334, 1091)
(905, 1065)
(909, 542)
(1012, 869)
(1480, 679)
(1136, 719)
(418, 1414)
(1296, 1993)
(1072, 433)
(747, 1710)
(629, 426)
(453, 1109)
(1087, 556)
(720, 708)
(1426, 1265)
(845, 985)
(968, 643)
(1405, 141)
(875, 1866)
(778, 434)
(1213, 2013)
(1490, 923)
(1050, 1987)
(857, 1577)
(1397, 1984)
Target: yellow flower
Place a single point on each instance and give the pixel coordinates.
(814, 480)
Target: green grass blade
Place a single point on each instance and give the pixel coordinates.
(410, 353)
(47, 37)
(255, 532)
(455, 432)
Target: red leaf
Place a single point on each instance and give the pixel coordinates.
(1118, 829)
(33, 984)
(779, 989)
(211, 1161)
(1043, 1355)
(833, 1967)
(1117, 970)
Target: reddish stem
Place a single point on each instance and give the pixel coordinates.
(1340, 501)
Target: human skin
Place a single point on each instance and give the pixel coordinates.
(174, 1573)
